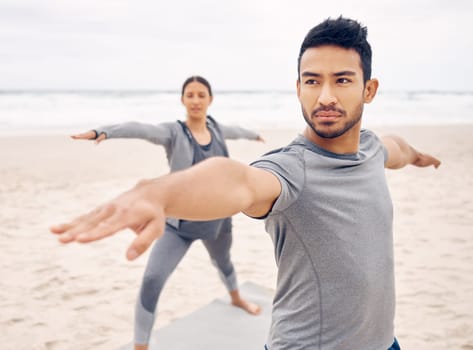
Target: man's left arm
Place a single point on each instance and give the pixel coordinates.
(400, 154)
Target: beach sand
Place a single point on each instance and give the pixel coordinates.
(78, 297)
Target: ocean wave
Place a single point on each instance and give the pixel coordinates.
(42, 110)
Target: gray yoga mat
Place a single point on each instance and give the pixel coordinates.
(218, 325)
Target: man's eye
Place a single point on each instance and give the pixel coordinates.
(343, 81)
(311, 82)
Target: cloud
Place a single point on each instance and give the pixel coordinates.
(238, 45)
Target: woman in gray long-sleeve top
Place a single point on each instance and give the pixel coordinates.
(186, 143)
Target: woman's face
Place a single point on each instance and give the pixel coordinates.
(196, 99)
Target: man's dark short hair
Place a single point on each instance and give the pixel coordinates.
(342, 32)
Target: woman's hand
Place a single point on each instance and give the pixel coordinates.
(260, 139)
(90, 135)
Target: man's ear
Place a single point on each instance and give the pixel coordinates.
(298, 88)
(371, 87)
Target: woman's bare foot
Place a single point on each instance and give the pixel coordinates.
(238, 301)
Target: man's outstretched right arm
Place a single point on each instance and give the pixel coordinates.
(215, 188)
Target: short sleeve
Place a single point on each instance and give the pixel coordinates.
(288, 166)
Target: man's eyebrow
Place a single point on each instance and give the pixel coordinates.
(310, 74)
(345, 72)
(337, 74)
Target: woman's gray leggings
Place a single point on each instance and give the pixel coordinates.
(167, 252)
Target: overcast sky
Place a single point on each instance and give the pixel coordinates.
(243, 44)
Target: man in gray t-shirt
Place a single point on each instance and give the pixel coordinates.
(324, 198)
(332, 229)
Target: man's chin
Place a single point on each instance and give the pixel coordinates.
(326, 135)
(325, 131)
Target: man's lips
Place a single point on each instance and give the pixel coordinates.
(327, 116)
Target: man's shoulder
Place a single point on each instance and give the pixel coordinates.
(367, 134)
(297, 146)
(283, 156)
(369, 139)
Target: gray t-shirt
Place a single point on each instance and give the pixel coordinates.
(332, 232)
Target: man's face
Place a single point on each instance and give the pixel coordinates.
(331, 90)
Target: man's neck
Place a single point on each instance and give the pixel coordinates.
(348, 143)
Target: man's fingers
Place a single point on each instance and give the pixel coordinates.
(123, 212)
(105, 227)
(69, 232)
(144, 239)
(58, 229)
(61, 228)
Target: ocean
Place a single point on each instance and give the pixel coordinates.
(24, 112)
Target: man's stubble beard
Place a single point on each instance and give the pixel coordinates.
(335, 133)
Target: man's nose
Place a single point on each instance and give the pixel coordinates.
(327, 96)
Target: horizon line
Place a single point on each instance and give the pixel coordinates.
(219, 91)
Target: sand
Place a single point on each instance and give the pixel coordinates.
(80, 297)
